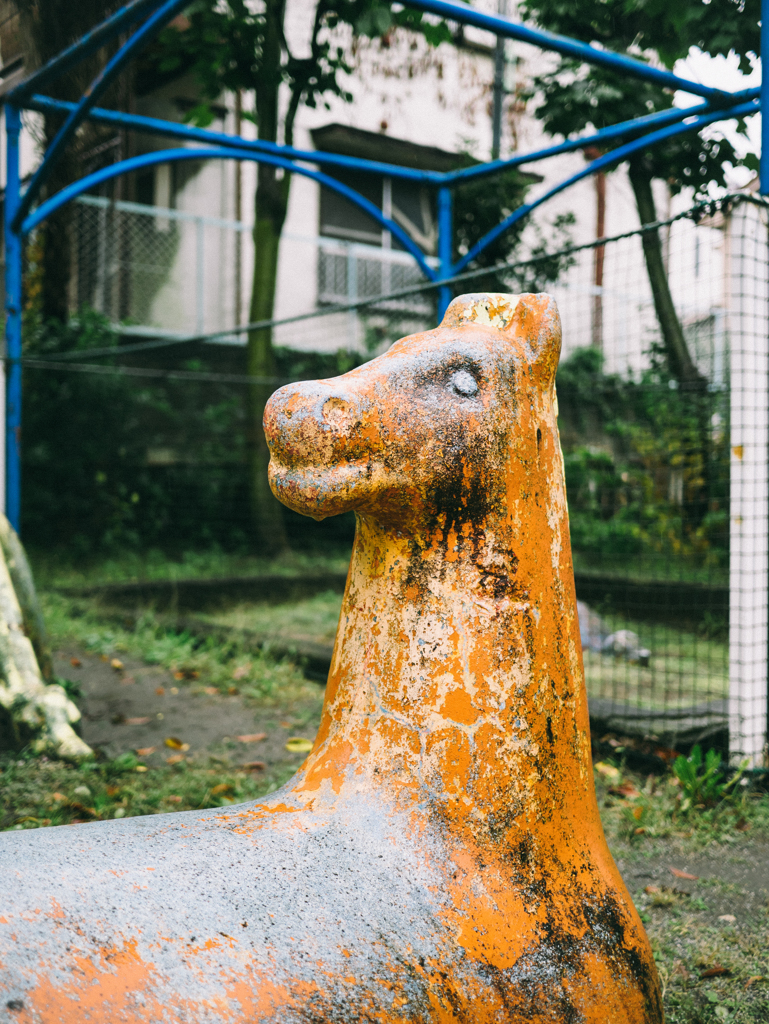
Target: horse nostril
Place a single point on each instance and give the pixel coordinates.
(338, 413)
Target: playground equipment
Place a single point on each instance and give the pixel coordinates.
(439, 856)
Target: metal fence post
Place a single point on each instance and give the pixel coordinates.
(200, 275)
(445, 231)
(12, 322)
(352, 295)
(748, 292)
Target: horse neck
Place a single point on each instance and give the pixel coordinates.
(457, 676)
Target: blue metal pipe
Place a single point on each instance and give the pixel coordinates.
(615, 156)
(764, 168)
(157, 126)
(12, 322)
(502, 26)
(140, 38)
(173, 155)
(599, 138)
(85, 46)
(445, 240)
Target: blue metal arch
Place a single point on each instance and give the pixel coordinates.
(174, 155)
(718, 106)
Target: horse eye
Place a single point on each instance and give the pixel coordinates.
(463, 383)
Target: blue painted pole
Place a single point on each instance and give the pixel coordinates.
(12, 321)
(445, 233)
(764, 172)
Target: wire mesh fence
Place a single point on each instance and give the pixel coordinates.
(666, 471)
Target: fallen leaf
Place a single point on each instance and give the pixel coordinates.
(144, 752)
(715, 972)
(233, 690)
(127, 680)
(211, 690)
(255, 766)
(299, 745)
(113, 790)
(666, 754)
(608, 771)
(136, 721)
(141, 768)
(58, 796)
(223, 787)
(728, 918)
(683, 874)
(242, 671)
(160, 691)
(652, 890)
(175, 759)
(742, 825)
(627, 789)
(175, 743)
(252, 737)
(639, 831)
(638, 813)
(104, 657)
(90, 811)
(117, 664)
(187, 673)
(174, 690)
(174, 799)
(753, 979)
(75, 662)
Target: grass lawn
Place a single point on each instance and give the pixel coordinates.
(684, 668)
(51, 570)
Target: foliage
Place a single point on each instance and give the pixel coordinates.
(704, 783)
(227, 46)
(635, 466)
(111, 461)
(575, 97)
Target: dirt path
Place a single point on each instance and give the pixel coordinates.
(140, 706)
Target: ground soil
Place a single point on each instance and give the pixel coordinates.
(178, 709)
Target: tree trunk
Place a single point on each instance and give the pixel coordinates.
(679, 360)
(271, 204)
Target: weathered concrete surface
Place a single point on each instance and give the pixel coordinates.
(439, 857)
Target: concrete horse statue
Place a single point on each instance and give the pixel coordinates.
(439, 856)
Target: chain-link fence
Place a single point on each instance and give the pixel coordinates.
(666, 464)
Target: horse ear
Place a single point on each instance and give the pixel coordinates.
(537, 324)
(486, 309)
(533, 319)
